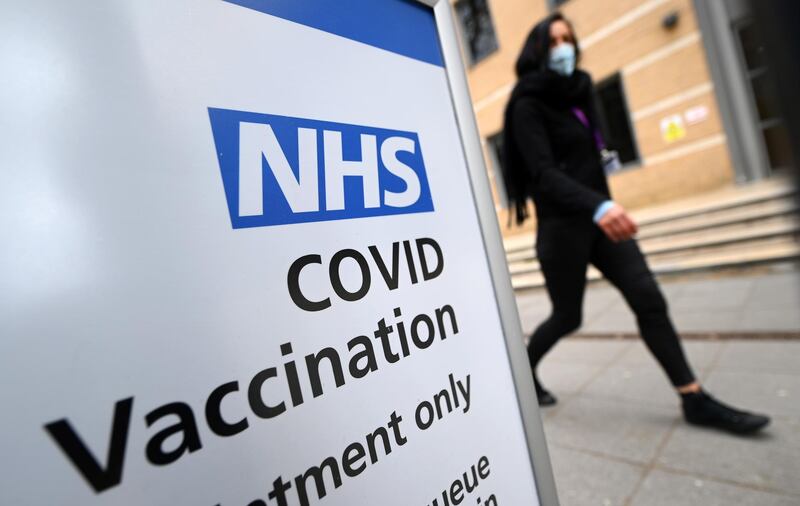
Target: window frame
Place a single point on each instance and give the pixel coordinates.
(554, 5)
(617, 76)
(466, 45)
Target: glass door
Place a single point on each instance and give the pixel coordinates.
(764, 96)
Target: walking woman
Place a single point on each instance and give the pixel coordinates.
(555, 155)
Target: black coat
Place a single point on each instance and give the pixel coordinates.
(548, 153)
(560, 160)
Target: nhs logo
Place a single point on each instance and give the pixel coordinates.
(278, 170)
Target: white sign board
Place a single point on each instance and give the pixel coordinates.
(246, 261)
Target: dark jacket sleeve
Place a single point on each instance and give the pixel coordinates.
(533, 142)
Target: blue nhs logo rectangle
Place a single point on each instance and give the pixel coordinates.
(278, 170)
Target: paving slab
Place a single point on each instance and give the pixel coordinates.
(535, 307)
(621, 429)
(562, 377)
(778, 288)
(539, 302)
(710, 321)
(637, 384)
(588, 480)
(671, 289)
(770, 461)
(598, 302)
(662, 488)
(576, 350)
(770, 319)
(717, 286)
(618, 422)
(760, 356)
(617, 319)
(532, 319)
(700, 353)
(756, 302)
(721, 300)
(775, 394)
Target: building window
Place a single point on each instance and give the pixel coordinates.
(495, 148)
(615, 122)
(555, 4)
(477, 28)
(764, 93)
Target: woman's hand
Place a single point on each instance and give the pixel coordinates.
(617, 225)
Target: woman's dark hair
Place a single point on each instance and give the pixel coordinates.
(536, 50)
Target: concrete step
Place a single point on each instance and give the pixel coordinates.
(517, 243)
(749, 254)
(529, 253)
(749, 234)
(727, 198)
(754, 211)
(734, 233)
(735, 227)
(723, 207)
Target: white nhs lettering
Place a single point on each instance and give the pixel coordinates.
(258, 142)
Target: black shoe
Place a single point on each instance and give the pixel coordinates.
(702, 409)
(544, 397)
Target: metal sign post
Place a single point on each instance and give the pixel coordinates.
(251, 258)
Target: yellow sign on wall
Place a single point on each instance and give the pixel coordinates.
(672, 128)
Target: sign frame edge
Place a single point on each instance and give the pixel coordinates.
(495, 253)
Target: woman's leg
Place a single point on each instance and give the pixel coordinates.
(625, 267)
(563, 252)
(565, 287)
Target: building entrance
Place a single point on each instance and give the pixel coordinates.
(746, 88)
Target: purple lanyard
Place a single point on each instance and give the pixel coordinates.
(598, 139)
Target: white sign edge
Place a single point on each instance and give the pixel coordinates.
(495, 253)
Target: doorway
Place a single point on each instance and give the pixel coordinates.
(748, 99)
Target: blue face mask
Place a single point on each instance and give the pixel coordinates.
(562, 59)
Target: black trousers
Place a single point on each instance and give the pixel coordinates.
(565, 248)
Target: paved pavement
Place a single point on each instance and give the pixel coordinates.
(758, 302)
(616, 437)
